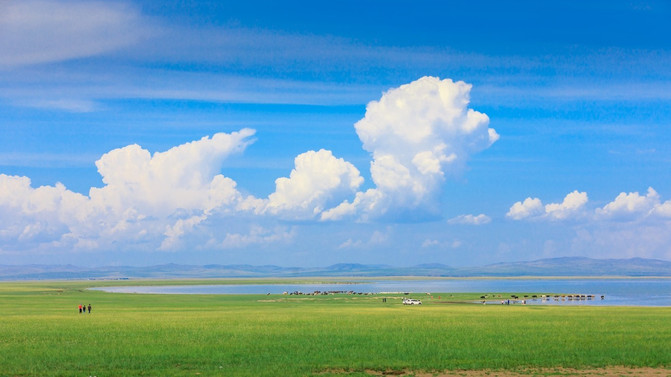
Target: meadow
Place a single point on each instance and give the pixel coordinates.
(42, 334)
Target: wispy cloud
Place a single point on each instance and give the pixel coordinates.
(376, 238)
(75, 92)
(41, 31)
(158, 60)
(480, 219)
(256, 236)
(50, 160)
(628, 91)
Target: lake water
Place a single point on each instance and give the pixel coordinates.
(617, 292)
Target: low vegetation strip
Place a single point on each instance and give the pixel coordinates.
(615, 371)
(43, 334)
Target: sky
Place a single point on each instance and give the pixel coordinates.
(309, 133)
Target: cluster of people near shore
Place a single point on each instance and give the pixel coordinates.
(82, 308)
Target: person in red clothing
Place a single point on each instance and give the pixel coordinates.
(80, 308)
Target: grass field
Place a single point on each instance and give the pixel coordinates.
(42, 334)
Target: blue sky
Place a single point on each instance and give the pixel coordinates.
(311, 133)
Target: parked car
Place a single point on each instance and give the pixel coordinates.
(411, 301)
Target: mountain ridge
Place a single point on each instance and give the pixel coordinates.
(560, 266)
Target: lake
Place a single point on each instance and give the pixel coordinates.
(617, 292)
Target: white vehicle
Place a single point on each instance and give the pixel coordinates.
(411, 301)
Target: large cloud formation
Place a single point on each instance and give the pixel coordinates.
(143, 196)
(184, 177)
(417, 134)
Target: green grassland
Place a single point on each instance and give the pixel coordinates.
(42, 334)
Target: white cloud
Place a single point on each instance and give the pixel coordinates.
(36, 215)
(529, 208)
(663, 210)
(184, 177)
(42, 31)
(572, 206)
(145, 198)
(174, 233)
(418, 134)
(625, 207)
(573, 202)
(470, 219)
(632, 205)
(318, 181)
(371, 201)
(632, 225)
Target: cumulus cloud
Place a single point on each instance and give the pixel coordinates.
(184, 177)
(625, 207)
(40, 215)
(663, 210)
(145, 198)
(417, 134)
(572, 203)
(173, 233)
(470, 219)
(632, 225)
(365, 203)
(533, 208)
(530, 207)
(631, 205)
(318, 181)
(43, 31)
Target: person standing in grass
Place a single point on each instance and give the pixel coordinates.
(80, 308)
(89, 308)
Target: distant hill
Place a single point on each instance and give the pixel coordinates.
(566, 266)
(576, 266)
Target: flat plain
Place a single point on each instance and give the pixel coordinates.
(42, 334)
